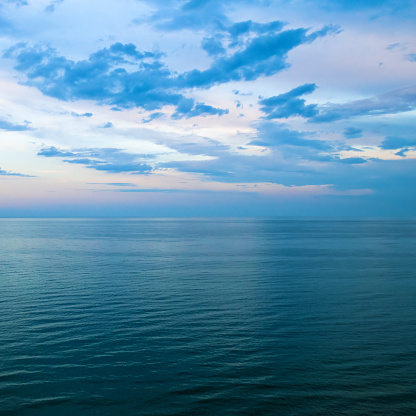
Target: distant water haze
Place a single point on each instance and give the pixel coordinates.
(207, 317)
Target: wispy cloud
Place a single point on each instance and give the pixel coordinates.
(392, 102)
(9, 126)
(352, 133)
(112, 183)
(8, 173)
(102, 159)
(50, 8)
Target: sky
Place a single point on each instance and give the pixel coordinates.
(181, 108)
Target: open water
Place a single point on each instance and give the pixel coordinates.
(207, 317)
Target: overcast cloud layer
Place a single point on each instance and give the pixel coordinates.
(207, 107)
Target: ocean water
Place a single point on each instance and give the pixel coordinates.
(207, 317)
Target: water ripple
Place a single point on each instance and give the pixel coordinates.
(181, 317)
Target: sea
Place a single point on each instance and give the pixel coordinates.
(224, 316)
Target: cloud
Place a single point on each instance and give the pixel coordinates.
(404, 8)
(297, 146)
(153, 116)
(125, 77)
(397, 143)
(283, 165)
(201, 146)
(352, 133)
(212, 169)
(52, 151)
(50, 8)
(393, 46)
(192, 14)
(199, 109)
(272, 135)
(289, 105)
(353, 160)
(107, 125)
(213, 46)
(103, 77)
(5, 25)
(112, 183)
(8, 173)
(136, 168)
(158, 190)
(18, 3)
(236, 92)
(392, 102)
(411, 57)
(402, 152)
(81, 115)
(264, 55)
(102, 159)
(244, 28)
(8, 126)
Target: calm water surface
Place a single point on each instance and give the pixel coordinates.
(207, 317)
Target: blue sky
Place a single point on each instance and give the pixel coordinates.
(207, 107)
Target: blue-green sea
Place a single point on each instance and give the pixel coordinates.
(207, 317)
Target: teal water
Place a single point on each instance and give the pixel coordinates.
(207, 317)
